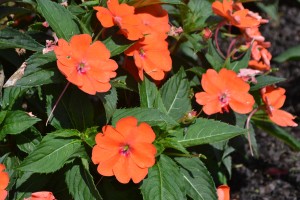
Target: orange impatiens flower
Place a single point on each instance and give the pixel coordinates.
(235, 14)
(44, 195)
(152, 56)
(4, 180)
(84, 64)
(223, 192)
(125, 151)
(121, 15)
(223, 90)
(274, 99)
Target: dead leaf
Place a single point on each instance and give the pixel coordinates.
(16, 76)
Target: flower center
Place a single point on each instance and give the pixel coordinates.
(117, 20)
(142, 53)
(224, 100)
(125, 150)
(82, 67)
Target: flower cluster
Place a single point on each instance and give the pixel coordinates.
(224, 89)
(149, 26)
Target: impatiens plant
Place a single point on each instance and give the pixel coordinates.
(104, 99)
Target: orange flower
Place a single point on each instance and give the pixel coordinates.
(44, 195)
(223, 90)
(121, 15)
(274, 99)
(223, 192)
(152, 56)
(4, 180)
(84, 64)
(235, 14)
(125, 151)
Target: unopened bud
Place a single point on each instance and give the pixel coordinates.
(206, 33)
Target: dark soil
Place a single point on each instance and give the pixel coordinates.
(276, 173)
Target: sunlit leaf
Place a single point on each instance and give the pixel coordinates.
(164, 181)
(197, 179)
(205, 131)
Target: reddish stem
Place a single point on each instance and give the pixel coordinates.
(56, 103)
(232, 43)
(216, 38)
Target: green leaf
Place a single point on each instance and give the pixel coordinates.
(80, 183)
(117, 44)
(38, 73)
(213, 57)
(74, 110)
(174, 144)
(16, 122)
(109, 100)
(150, 96)
(198, 181)
(265, 80)
(195, 15)
(10, 95)
(205, 131)
(279, 133)
(164, 181)
(28, 140)
(59, 18)
(175, 95)
(50, 155)
(11, 38)
(240, 64)
(292, 53)
(149, 115)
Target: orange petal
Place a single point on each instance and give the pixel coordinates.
(75, 78)
(100, 154)
(125, 125)
(143, 154)
(218, 9)
(211, 82)
(3, 194)
(204, 98)
(212, 107)
(4, 180)
(223, 192)
(232, 82)
(145, 133)
(97, 51)
(282, 118)
(44, 195)
(66, 70)
(79, 45)
(106, 168)
(136, 173)
(120, 170)
(104, 16)
(275, 96)
(111, 139)
(241, 102)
